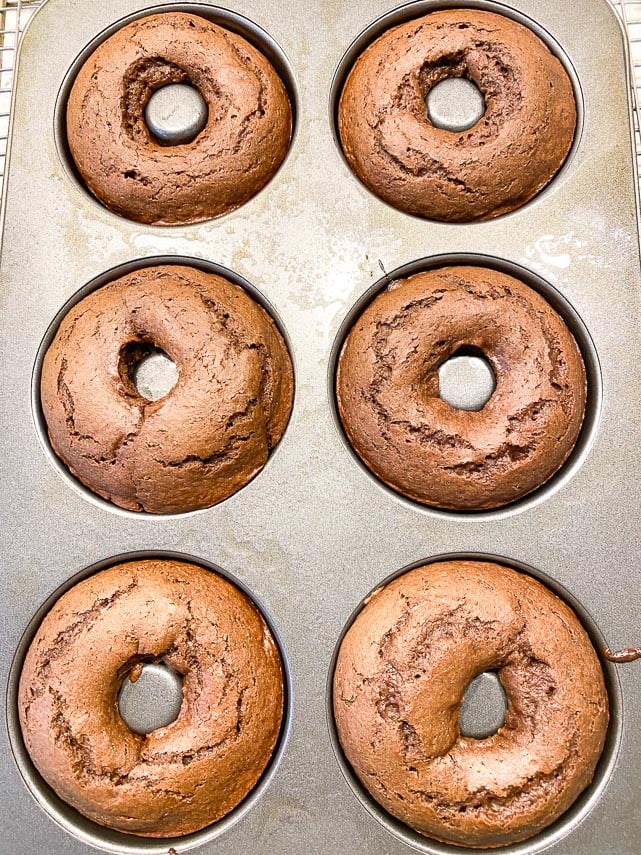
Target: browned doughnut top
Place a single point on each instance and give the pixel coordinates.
(403, 669)
(388, 389)
(243, 144)
(178, 778)
(210, 434)
(492, 168)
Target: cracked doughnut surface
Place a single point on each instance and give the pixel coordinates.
(401, 674)
(204, 440)
(496, 166)
(388, 389)
(243, 144)
(179, 778)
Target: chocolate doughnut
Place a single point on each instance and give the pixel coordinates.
(204, 440)
(387, 389)
(244, 142)
(179, 778)
(496, 166)
(401, 674)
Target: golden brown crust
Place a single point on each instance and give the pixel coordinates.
(388, 389)
(242, 146)
(211, 434)
(492, 168)
(178, 778)
(401, 674)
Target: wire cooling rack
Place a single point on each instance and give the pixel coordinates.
(14, 15)
(630, 11)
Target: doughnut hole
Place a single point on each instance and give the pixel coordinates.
(175, 114)
(150, 696)
(442, 82)
(455, 104)
(146, 370)
(466, 380)
(142, 80)
(165, 100)
(484, 707)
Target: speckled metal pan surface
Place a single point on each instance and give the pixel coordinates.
(314, 533)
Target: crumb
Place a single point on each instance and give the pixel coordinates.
(134, 676)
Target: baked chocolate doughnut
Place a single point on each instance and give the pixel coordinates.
(176, 779)
(401, 674)
(211, 434)
(244, 142)
(387, 389)
(496, 166)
